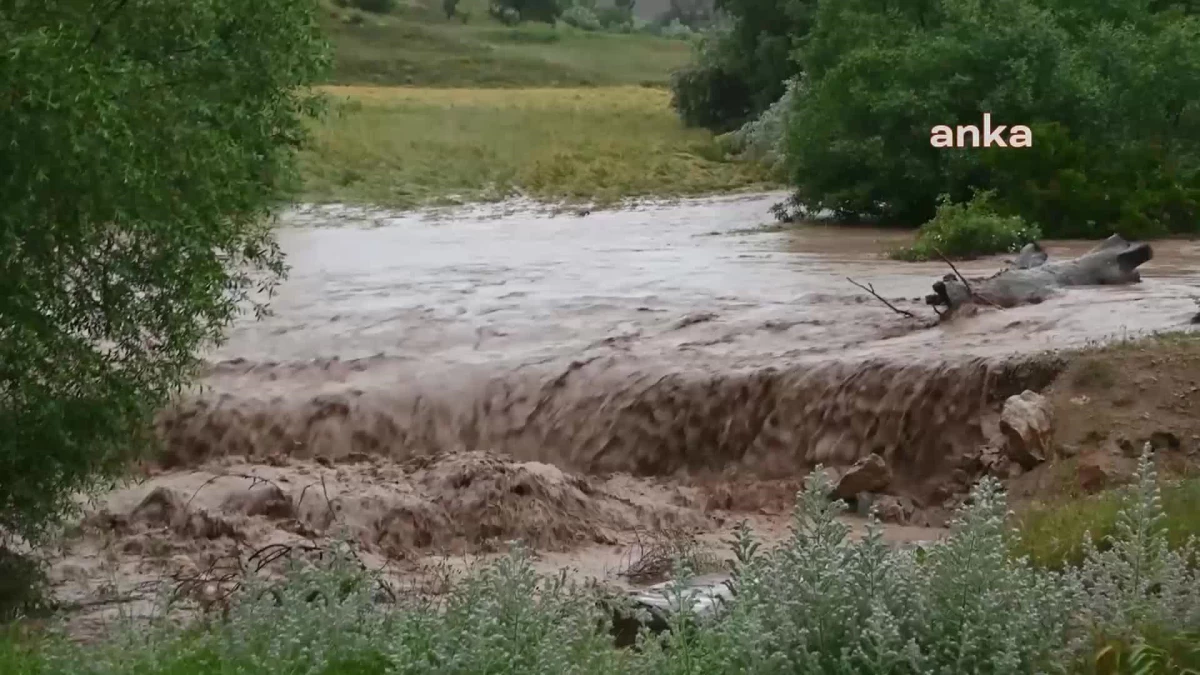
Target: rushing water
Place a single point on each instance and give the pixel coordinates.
(653, 340)
(673, 282)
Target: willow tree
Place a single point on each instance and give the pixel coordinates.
(144, 147)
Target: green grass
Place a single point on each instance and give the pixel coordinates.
(406, 147)
(1052, 534)
(417, 46)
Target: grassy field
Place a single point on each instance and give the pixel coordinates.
(405, 147)
(417, 46)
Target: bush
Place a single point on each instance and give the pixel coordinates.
(24, 587)
(818, 603)
(743, 63)
(762, 139)
(1121, 81)
(582, 18)
(512, 12)
(965, 231)
(375, 6)
(136, 221)
(709, 92)
(677, 31)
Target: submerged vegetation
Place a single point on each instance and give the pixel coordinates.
(819, 603)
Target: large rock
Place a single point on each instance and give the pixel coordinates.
(1027, 425)
(869, 474)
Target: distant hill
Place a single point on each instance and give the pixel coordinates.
(417, 45)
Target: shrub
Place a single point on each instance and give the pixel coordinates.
(24, 586)
(615, 19)
(511, 12)
(136, 220)
(762, 139)
(582, 18)
(710, 92)
(375, 6)
(677, 31)
(820, 602)
(1122, 81)
(965, 231)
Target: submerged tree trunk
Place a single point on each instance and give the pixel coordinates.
(1031, 279)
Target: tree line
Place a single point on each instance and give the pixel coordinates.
(1110, 90)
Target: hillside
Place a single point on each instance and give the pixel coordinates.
(416, 45)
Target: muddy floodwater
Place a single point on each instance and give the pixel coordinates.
(670, 338)
(686, 282)
(437, 384)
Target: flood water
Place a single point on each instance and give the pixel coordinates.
(700, 281)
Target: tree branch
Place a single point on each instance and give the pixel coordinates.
(970, 291)
(871, 289)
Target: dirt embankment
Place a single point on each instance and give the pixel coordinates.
(674, 456)
(605, 417)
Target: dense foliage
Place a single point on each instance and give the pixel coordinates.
(969, 230)
(820, 602)
(741, 68)
(145, 143)
(1110, 89)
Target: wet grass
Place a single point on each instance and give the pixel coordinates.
(407, 147)
(1053, 534)
(416, 45)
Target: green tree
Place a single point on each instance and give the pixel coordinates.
(745, 61)
(1113, 86)
(145, 143)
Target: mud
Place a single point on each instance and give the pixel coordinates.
(435, 385)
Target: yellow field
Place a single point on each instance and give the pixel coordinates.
(398, 146)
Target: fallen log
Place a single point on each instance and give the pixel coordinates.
(1032, 278)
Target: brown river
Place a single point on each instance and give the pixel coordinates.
(652, 340)
(446, 381)
(679, 283)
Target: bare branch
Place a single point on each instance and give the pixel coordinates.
(871, 289)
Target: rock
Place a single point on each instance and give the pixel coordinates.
(1027, 425)
(704, 597)
(263, 499)
(893, 509)
(863, 502)
(1128, 448)
(163, 507)
(869, 474)
(1098, 472)
(993, 461)
(1031, 256)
